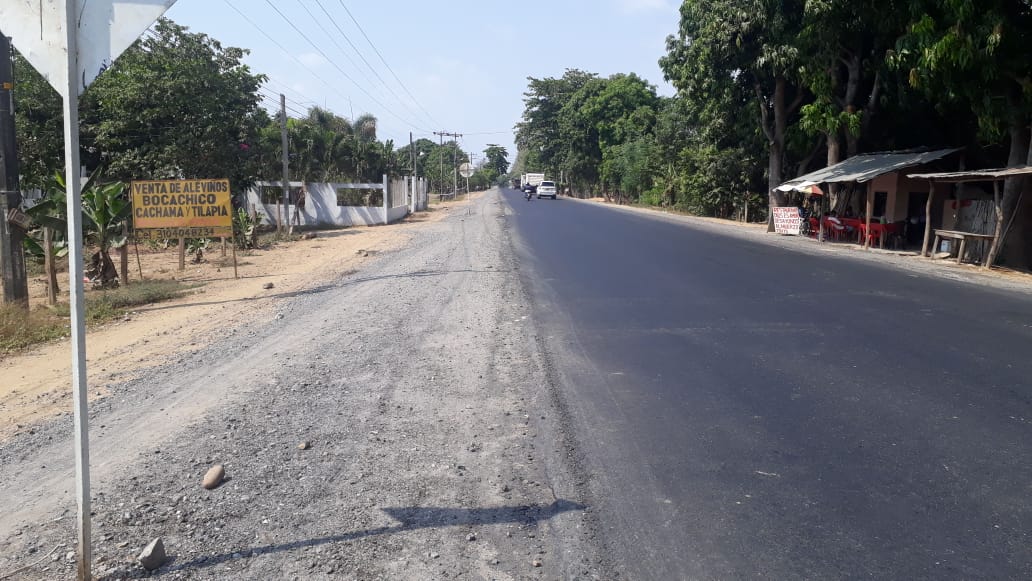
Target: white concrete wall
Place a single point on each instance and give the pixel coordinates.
(321, 207)
(395, 214)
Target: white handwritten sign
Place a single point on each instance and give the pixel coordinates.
(787, 221)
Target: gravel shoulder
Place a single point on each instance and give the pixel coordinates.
(435, 445)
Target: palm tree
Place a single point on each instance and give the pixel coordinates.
(365, 127)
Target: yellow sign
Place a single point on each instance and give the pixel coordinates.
(193, 232)
(182, 209)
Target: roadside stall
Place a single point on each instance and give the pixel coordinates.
(963, 238)
(891, 201)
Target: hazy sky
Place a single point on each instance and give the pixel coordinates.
(465, 62)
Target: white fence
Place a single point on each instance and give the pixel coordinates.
(339, 204)
(411, 192)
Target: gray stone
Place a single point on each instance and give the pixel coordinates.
(213, 477)
(268, 286)
(304, 445)
(153, 555)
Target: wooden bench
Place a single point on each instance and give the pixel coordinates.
(940, 235)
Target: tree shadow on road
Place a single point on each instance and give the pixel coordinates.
(409, 518)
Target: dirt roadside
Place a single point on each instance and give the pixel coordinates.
(391, 421)
(35, 383)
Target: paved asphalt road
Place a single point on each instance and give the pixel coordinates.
(750, 412)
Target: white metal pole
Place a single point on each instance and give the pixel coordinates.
(285, 139)
(386, 206)
(75, 299)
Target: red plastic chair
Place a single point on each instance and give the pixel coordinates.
(833, 230)
(814, 227)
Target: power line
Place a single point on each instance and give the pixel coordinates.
(285, 88)
(361, 56)
(274, 99)
(285, 51)
(149, 34)
(342, 72)
(384, 61)
(333, 38)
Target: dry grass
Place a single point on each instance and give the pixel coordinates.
(20, 328)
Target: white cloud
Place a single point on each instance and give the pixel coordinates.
(311, 59)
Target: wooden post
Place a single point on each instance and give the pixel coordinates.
(235, 275)
(48, 265)
(182, 253)
(139, 265)
(224, 246)
(925, 251)
(994, 249)
(867, 215)
(123, 255)
(285, 139)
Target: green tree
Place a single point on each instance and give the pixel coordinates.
(441, 165)
(728, 53)
(497, 158)
(539, 142)
(175, 104)
(38, 126)
(423, 147)
(975, 52)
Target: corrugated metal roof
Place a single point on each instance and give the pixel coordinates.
(864, 168)
(982, 175)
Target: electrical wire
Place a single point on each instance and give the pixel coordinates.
(333, 38)
(274, 100)
(342, 71)
(285, 51)
(384, 61)
(361, 56)
(285, 88)
(151, 35)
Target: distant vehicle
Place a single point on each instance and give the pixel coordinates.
(530, 181)
(528, 188)
(546, 190)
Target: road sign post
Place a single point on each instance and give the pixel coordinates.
(74, 42)
(466, 170)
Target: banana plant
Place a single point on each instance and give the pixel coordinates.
(105, 208)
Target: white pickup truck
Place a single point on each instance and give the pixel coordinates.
(546, 189)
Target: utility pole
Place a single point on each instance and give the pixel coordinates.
(412, 152)
(414, 189)
(442, 161)
(286, 163)
(12, 255)
(455, 167)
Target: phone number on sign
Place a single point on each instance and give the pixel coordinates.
(192, 232)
